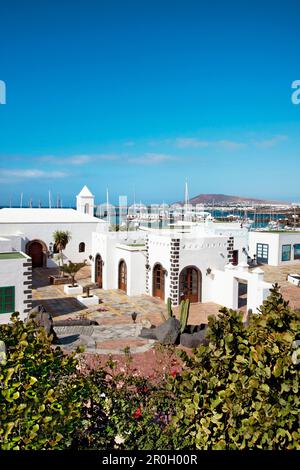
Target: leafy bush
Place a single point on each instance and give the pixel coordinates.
(125, 410)
(242, 390)
(41, 391)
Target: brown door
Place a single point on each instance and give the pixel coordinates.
(123, 276)
(235, 257)
(36, 253)
(158, 282)
(98, 273)
(189, 284)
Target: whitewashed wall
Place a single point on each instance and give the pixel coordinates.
(224, 287)
(275, 242)
(159, 252)
(205, 253)
(111, 247)
(136, 272)
(12, 274)
(5, 245)
(80, 232)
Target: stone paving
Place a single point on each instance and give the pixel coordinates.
(279, 274)
(104, 339)
(116, 329)
(112, 313)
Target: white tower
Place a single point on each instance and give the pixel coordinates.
(85, 201)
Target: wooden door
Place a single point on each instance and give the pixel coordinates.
(36, 253)
(99, 271)
(235, 257)
(189, 284)
(158, 282)
(123, 276)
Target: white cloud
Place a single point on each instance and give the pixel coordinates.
(230, 144)
(151, 159)
(30, 174)
(226, 144)
(129, 143)
(272, 142)
(191, 142)
(76, 160)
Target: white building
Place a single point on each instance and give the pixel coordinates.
(205, 261)
(15, 283)
(85, 202)
(31, 230)
(275, 248)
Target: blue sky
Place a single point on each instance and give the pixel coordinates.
(139, 95)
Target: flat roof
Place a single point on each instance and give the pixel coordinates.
(12, 255)
(40, 216)
(291, 232)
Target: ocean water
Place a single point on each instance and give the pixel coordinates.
(261, 220)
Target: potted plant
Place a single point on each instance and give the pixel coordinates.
(61, 239)
(88, 299)
(72, 269)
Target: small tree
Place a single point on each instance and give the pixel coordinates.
(72, 269)
(61, 239)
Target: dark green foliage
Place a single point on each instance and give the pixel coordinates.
(242, 391)
(184, 310)
(125, 411)
(61, 239)
(72, 269)
(41, 392)
(169, 307)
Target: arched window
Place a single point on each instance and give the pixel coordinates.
(81, 247)
(86, 208)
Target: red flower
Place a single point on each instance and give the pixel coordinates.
(174, 373)
(137, 414)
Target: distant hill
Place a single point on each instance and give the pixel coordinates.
(219, 199)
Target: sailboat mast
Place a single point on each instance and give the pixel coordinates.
(107, 206)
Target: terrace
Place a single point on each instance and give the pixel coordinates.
(115, 330)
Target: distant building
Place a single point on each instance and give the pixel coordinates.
(275, 248)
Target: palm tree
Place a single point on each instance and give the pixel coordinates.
(61, 239)
(72, 269)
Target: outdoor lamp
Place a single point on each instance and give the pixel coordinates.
(50, 254)
(133, 316)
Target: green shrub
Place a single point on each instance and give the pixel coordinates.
(41, 392)
(242, 390)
